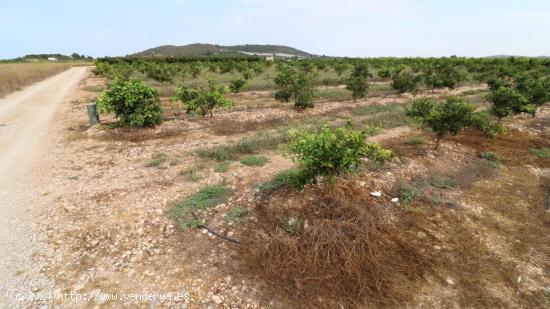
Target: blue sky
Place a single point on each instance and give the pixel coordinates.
(336, 28)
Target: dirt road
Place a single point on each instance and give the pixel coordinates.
(28, 131)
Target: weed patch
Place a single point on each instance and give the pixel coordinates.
(492, 157)
(541, 153)
(157, 160)
(254, 161)
(207, 197)
(418, 140)
(222, 167)
(291, 177)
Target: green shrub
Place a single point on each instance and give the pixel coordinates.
(202, 100)
(420, 108)
(507, 102)
(357, 82)
(406, 82)
(297, 85)
(332, 152)
(254, 161)
(237, 85)
(132, 102)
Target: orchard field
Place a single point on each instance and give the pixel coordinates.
(314, 183)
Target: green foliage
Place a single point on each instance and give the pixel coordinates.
(357, 82)
(133, 102)
(237, 85)
(534, 87)
(451, 117)
(406, 82)
(408, 193)
(332, 152)
(441, 74)
(254, 161)
(207, 197)
(484, 124)
(507, 101)
(297, 85)
(544, 152)
(202, 100)
(291, 177)
(157, 160)
(492, 157)
(222, 167)
(420, 108)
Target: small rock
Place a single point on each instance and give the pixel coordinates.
(218, 300)
(376, 193)
(395, 199)
(362, 183)
(450, 281)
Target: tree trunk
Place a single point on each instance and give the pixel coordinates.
(437, 143)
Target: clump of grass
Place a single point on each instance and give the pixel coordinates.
(222, 167)
(191, 174)
(376, 109)
(207, 197)
(492, 157)
(417, 140)
(247, 145)
(408, 193)
(254, 161)
(544, 152)
(236, 215)
(157, 160)
(291, 177)
(443, 182)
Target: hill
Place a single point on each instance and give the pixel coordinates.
(194, 50)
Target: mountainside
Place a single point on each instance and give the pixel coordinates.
(193, 50)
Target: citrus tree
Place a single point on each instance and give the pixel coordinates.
(332, 152)
(132, 102)
(297, 85)
(202, 100)
(406, 81)
(357, 82)
(507, 101)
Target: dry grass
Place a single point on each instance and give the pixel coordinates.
(15, 76)
(342, 246)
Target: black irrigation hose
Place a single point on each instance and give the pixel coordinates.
(211, 230)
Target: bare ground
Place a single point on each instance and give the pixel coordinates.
(108, 232)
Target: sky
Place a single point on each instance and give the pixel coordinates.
(355, 28)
